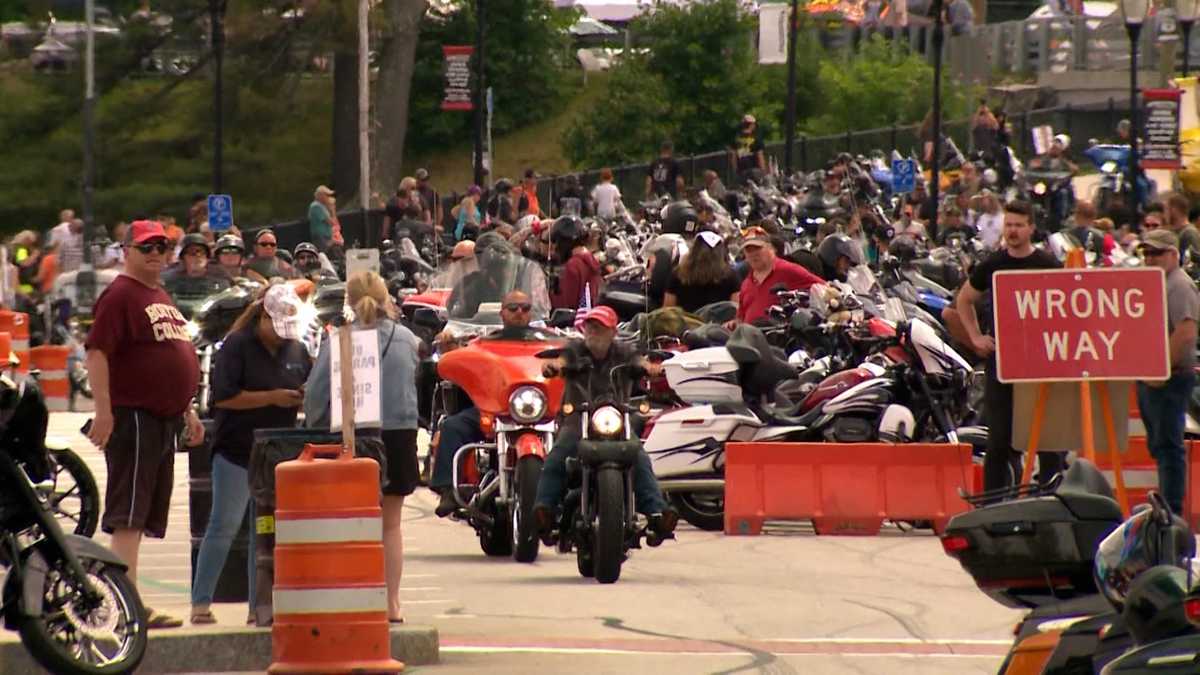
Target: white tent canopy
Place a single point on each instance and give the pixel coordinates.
(608, 10)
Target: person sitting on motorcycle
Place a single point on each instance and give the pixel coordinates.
(598, 347)
(192, 275)
(838, 254)
(951, 224)
(229, 251)
(463, 427)
(308, 264)
(265, 264)
(1083, 230)
(579, 278)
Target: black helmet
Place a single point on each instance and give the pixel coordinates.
(904, 247)
(835, 246)
(681, 219)
(565, 234)
(230, 241)
(195, 239)
(304, 247)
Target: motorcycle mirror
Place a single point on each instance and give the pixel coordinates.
(563, 317)
(550, 353)
(426, 317)
(658, 355)
(779, 288)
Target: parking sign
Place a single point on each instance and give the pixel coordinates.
(220, 212)
(904, 175)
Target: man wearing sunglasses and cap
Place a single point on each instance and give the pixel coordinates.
(137, 337)
(265, 264)
(1163, 404)
(767, 271)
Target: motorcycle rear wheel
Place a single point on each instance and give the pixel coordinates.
(610, 525)
(585, 562)
(524, 526)
(68, 637)
(76, 498)
(704, 511)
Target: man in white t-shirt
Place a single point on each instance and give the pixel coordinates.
(606, 197)
(68, 236)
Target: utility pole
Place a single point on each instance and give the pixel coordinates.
(89, 131)
(479, 89)
(790, 117)
(216, 10)
(935, 173)
(364, 117)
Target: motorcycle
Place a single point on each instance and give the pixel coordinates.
(517, 409)
(1113, 195)
(1052, 195)
(599, 519)
(69, 598)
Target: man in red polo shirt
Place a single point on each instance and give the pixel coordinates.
(766, 272)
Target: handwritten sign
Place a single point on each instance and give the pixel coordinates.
(458, 78)
(366, 381)
(1160, 110)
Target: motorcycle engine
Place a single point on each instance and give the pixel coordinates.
(850, 430)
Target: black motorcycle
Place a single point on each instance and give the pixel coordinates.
(598, 518)
(69, 598)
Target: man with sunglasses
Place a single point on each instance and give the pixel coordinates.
(462, 427)
(265, 264)
(192, 278)
(138, 335)
(1163, 404)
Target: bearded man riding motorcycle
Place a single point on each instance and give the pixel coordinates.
(192, 277)
(599, 329)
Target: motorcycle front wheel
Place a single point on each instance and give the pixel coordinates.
(524, 527)
(73, 635)
(609, 551)
(76, 498)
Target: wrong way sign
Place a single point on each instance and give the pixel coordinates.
(1074, 324)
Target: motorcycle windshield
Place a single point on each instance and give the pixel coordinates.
(501, 270)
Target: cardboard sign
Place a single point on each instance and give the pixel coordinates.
(1160, 129)
(366, 381)
(458, 78)
(1076, 324)
(361, 260)
(1043, 136)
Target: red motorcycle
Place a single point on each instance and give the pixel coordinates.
(496, 481)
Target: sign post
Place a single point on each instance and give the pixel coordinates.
(1085, 326)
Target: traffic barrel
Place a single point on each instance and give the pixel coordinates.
(16, 324)
(51, 362)
(330, 597)
(5, 349)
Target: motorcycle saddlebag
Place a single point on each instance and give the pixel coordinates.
(1036, 550)
(708, 375)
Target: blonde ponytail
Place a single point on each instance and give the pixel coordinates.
(368, 297)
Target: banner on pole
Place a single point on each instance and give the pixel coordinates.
(458, 77)
(1160, 128)
(773, 33)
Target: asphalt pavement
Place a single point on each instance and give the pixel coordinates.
(784, 602)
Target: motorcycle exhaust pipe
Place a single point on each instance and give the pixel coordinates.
(693, 485)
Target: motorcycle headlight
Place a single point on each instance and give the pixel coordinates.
(1109, 167)
(608, 421)
(1039, 189)
(193, 329)
(527, 404)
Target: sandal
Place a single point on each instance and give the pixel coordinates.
(203, 618)
(156, 619)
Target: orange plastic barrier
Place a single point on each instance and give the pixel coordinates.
(16, 324)
(1140, 472)
(51, 362)
(843, 488)
(330, 596)
(5, 349)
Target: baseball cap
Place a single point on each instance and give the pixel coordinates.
(755, 236)
(142, 231)
(748, 119)
(604, 315)
(422, 174)
(323, 190)
(1160, 240)
(283, 306)
(463, 249)
(712, 239)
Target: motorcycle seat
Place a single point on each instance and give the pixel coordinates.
(1085, 492)
(762, 366)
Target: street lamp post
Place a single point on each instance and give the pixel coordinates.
(1185, 11)
(936, 169)
(1134, 13)
(216, 9)
(790, 117)
(479, 89)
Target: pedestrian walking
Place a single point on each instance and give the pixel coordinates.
(665, 176)
(1002, 464)
(606, 196)
(257, 383)
(747, 149)
(321, 216)
(367, 294)
(1163, 404)
(144, 374)
(430, 198)
(528, 204)
(467, 215)
(67, 237)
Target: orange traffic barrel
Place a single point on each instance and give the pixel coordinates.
(16, 324)
(5, 350)
(330, 594)
(51, 361)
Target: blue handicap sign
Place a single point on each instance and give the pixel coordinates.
(220, 212)
(904, 175)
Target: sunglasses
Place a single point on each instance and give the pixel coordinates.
(267, 244)
(518, 307)
(1151, 225)
(1152, 252)
(197, 253)
(160, 247)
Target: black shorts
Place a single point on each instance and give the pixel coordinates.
(140, 456)
(403, 472)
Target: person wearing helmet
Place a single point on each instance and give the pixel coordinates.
(307, 260)
(191, 278)
(229, 251)
(266, 264)
(579, 278)
(838, 253)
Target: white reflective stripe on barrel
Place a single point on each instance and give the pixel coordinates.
(1140, 479)
(330, 600)
(1136, 427)
(328, 530)
(21, 345)
(56, 404)
(52, 375)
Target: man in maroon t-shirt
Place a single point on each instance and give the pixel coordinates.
(144, 372)
(766, 272)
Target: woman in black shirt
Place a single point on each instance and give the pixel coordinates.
(703, 277)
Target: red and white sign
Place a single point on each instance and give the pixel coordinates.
(1076, 324)
(458, 77)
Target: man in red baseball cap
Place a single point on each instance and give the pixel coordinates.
(587, 365)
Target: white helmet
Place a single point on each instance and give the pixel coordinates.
(1063, 140)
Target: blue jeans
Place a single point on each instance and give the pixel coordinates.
(458, 430)
(552, 487)
(1163, 412)
(230, 498)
